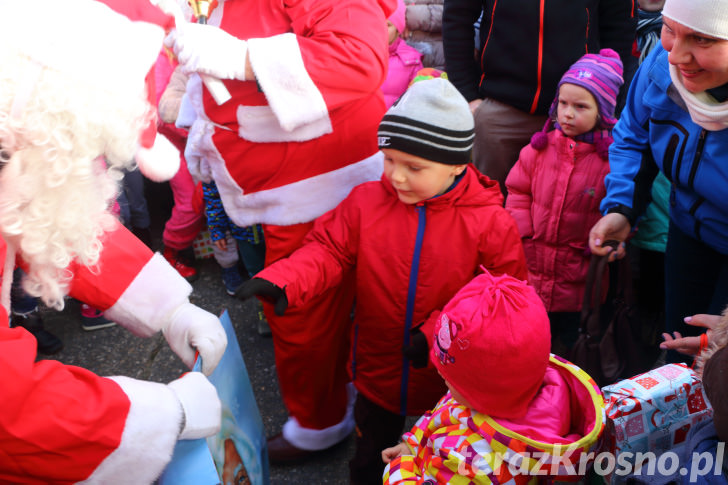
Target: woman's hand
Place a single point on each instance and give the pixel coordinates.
(614, 227)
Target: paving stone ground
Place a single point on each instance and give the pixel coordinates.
(115, 351)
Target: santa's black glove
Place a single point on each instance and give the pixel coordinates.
(265, 290)
(418, 352)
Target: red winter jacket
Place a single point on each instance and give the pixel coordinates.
(554, 196)
(409, 261)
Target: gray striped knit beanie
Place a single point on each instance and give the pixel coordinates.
(431, 120)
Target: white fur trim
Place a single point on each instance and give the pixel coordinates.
(187, 114)
(77, 48)
(260, 124)
(160, 162)
(150, 434)
(279, 69)
(320, 439)
(193, 93)
(313, 196)
(149, 302)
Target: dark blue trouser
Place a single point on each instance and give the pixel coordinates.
(20, 301)
(132, 202)
(696, 281)
(253, 255)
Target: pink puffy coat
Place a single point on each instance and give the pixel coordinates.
(554, 196)
(404, 62)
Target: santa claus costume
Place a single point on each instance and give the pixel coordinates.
(73, 92)
(297, 135)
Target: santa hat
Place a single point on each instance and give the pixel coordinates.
(492, 343)
(110, 50)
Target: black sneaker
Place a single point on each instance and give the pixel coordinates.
(47, 342)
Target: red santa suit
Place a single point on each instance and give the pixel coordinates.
(288, 147)
(64, 424)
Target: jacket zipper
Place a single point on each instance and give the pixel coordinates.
(696, 158)
(540, 59)
(411, 294)
(691, 181)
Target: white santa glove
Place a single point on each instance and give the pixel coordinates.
(197, 164)
(192, 328)
(200, 403)
(208, 50)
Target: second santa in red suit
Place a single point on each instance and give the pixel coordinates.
(298, 134)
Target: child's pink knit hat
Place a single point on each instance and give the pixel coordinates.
(398, 17)
(492, 343)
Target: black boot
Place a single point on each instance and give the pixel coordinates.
(47, 342)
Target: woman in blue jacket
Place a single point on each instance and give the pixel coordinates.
(675, 122)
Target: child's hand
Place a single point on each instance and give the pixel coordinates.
(221, 244)
(396, 451)
(684, 345)
(267, 291)
(690, 345)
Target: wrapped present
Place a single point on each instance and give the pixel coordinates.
(652, 412)
(202, 245)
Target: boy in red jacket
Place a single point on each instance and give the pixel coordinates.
(412, 240)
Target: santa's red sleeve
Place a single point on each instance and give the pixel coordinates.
(135, 288)
(64, 424)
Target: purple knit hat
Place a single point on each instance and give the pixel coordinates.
(601, 75)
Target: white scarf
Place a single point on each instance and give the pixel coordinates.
(703, 109)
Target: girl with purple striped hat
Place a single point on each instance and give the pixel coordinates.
(555, 188)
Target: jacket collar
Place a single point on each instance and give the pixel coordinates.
(659, 74)
(473, 189)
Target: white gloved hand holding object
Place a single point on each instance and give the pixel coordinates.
(193, 329)
(208, 50)
(200, 403)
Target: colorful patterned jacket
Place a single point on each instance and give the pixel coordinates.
(457, 445)
(219, 223)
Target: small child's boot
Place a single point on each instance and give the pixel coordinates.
(263, 326)
(231, 279)
(185, 270)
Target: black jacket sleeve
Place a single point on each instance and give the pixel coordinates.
(618, 31)
(458, 40)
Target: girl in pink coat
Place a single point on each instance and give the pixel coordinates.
(555, 187)
(404, 60)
